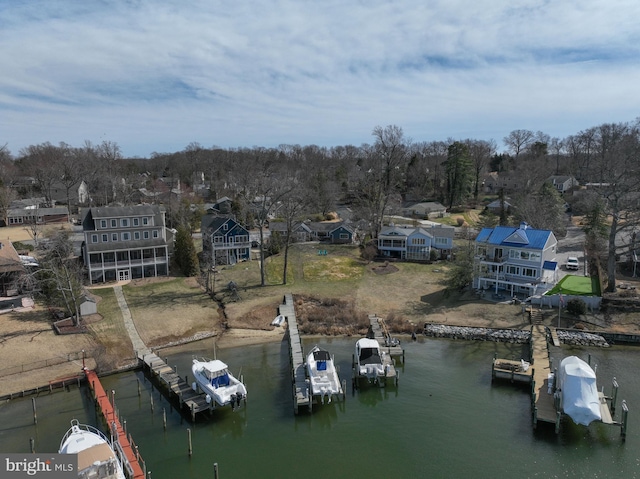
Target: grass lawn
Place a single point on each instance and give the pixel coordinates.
(156, 305)
(109, 331)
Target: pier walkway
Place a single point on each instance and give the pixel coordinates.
(378, 329)
(139, 347)
(300, 386)
(174, 386)
(123, 442)
(541, 392)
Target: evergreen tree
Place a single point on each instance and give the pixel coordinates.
(185, 252)
(459, 174)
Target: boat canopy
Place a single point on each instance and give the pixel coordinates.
(213, 369)
(579, 390)
(368, 351)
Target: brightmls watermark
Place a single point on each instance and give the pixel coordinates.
(47, 466)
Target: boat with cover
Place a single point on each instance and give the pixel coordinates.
(323, 376)
(216, 381)
(578, 391)
(368, 360)
(97, 458)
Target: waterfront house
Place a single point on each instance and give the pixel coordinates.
(405, 243)
(122, 243)
(225, 239)
(511, 260)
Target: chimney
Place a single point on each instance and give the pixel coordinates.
(524, 225)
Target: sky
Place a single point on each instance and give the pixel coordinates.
(157, 75)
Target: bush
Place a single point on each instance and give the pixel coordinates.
(460, 220)
(576, 307)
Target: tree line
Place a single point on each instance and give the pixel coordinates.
(372, 180)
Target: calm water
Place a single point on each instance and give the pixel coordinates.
(445, 419)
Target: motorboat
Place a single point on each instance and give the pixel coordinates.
(323, 376)
(214, 379)
(368, 360)
(97, 458)
(578, 391)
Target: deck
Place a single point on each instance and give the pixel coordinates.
(128, 452)
(300, 386)
(174, 386)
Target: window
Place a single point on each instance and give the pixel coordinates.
(124, 222)
(114, 223)
(114, 236)
(155, 233)
(145, 221)
(103, 223)
(126, 236)
(136, 235)
(530, 272)
(419, 241)
(145, 235)
(105, 237)
(136, 221)
(94, 238)
(218, 239)
(513, 270)
(225, 227)
(441, 241)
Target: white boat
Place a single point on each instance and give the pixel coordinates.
(323, 376)
(278, 320)
(96, 456)
(368, 360)
(216, 381)
(578, 391)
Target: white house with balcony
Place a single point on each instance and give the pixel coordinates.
(515, 260)
(405, 243)
(122, 243)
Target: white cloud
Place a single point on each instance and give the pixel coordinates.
(154, 75)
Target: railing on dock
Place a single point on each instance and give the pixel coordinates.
(123, 443)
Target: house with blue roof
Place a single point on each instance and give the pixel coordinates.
(515, 260)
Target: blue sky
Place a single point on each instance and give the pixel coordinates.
(157, 75)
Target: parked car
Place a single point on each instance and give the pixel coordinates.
(572, 263)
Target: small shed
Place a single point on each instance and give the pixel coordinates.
(88, 306)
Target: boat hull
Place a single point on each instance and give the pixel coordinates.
(324, 381)
(221, 387)
(97, 458)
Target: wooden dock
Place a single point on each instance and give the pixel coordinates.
(123, 443)
(542, 393)
(176, 387)
(299, 384)
(378, 330)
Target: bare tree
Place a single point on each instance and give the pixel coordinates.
(616, 169)
(518, 140)
(480, 152)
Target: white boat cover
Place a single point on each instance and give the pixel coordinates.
(579, 391)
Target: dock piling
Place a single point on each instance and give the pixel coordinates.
(215, 470)
(164, 419)
(189, 439)
(35, 414)
(32, 445)
(137, 379)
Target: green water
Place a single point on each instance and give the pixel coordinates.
(445, 419)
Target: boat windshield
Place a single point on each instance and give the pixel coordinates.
(219, 378)
(370, 356)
